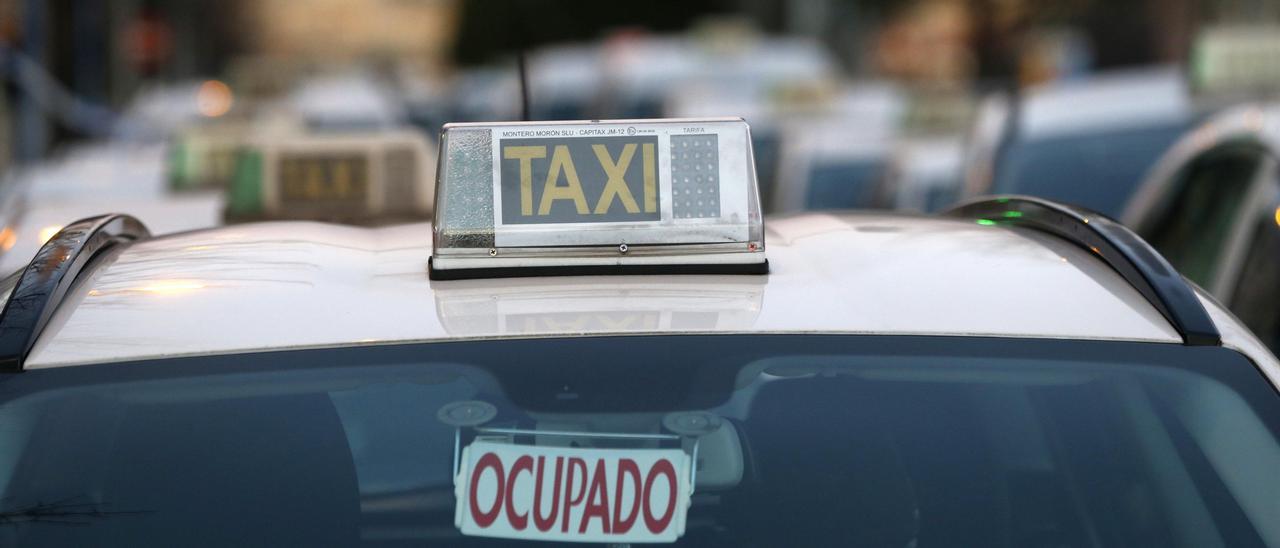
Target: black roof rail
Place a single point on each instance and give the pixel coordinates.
(45, 281)
(1126, 253)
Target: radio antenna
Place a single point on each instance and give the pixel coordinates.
(524, 85)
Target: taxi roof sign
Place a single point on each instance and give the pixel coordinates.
(597, 197)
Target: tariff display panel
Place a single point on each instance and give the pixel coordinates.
(618, 192)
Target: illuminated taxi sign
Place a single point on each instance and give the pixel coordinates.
(623, 196)
(352, 177)
(204, 159)
(320, 178)
(1237, 58)
(579, 179)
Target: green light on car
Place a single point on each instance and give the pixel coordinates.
(985, 222)
(1013, 214)
(245, 196)
(179, 168)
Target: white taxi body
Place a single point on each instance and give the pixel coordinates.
(248, 298)
(646, 375)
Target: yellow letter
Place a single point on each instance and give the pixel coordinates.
(650, 188)
(560, 161)
(617, 184)
(315, 181)
(526, 156)
(342, 179)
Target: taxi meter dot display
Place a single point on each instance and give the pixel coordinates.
(628, 196)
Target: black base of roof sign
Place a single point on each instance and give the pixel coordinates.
(593, 270)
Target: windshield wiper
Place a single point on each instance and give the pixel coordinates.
(67, 511)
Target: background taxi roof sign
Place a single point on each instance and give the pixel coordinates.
(597, 197)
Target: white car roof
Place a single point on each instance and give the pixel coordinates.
(292, 284)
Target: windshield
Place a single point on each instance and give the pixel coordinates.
(791, 440)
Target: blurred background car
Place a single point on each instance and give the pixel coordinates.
(924, 174)
(1088, 142)
(1212, 207)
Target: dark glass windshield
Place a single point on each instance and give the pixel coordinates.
(820, 440)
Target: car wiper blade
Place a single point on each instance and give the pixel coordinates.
(67, 511)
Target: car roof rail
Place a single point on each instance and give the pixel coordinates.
(1125, 252)
(45, 281)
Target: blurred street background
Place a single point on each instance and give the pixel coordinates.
(174, 110)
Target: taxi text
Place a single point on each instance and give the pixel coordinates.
(579, 179)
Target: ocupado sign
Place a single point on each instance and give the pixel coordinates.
(572, 494)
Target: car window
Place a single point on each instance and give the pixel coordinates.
(1256, 292)
(1099, 171)
(1192, 231)
(803, 440)
(843, 185)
